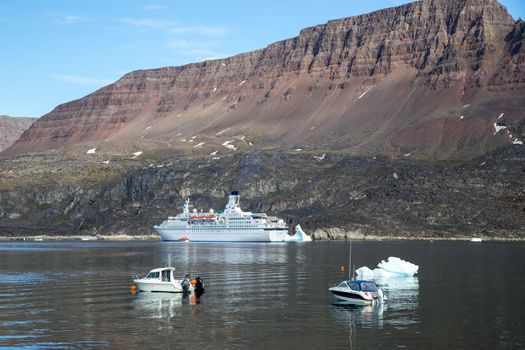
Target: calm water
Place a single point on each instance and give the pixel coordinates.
(272, 296)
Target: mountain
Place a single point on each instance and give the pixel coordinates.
(11, 128)
(435, 79)
(404, 122)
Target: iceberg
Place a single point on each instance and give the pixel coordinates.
(393, 267)
(299, 236)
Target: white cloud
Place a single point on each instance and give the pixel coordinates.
(77, 79)
(154, 7)
(175, 28)
(201, 30)
(64, 20)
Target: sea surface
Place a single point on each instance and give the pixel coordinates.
(77, 295)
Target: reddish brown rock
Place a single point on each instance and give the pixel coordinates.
(11, 128)
(393, 81)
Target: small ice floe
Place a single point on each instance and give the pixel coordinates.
(149, 127)
(466, 106)
(363, 94)
(242, 82)
(183, 140)
(151, 165)
(313, 127)
(106, 162)
(222, 131)
(395, 176)
(199, 145)
(462, 117)
(142, 137)
(250, 143)
(213, 153)
(299, 236)
(180, 114)
(91, 151)
(517, 142)
(407, 154)
(216, 158)
(476, 240)
(223, 98)
(232, 147)
(393, 267)
(498, 128)
(194, 137)
(226, 143)
(240, 137)
(179, 134)
(214, 89)
(501, 116)
(136, 154)
(160, 166)
(169, 144)
(320, 158)
(298, 149)
(483, 163)
(223, 64)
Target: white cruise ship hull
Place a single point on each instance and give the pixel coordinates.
(222, 234)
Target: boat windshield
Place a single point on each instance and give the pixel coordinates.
(353, 285)
(368, 286)
(153, 275)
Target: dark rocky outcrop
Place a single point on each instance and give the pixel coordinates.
(338, 197)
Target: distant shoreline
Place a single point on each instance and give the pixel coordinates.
(122, 237)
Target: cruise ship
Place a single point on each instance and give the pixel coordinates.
(230, 225)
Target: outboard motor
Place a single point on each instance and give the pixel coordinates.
(199, 286)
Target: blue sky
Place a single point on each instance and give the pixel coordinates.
(55, 51)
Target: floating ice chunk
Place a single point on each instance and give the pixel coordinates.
(462, 117)
(149, 127)
(222, 132)
(223, 64)
(213, 153)
(250, 143)
(232, 147)
(216, 158)
(242, 82)
(136, 154)
(180, 114)
(397, 265)
(465, 106)
(498, 128)
(183, 140)
(363, 94)
(298, 149)
(199, 145)
(299, 236)
(501, 115)
(476, 239)
(227, 143)
(392, 267)
(313, 127)
(223, 98)
(241, 137)
(483, 163)
(106, 162)
(320, 158)
(91, 151)
(517, 142)
(407, 154)
(214, 89)
(395, 176)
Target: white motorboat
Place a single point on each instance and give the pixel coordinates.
(163, 280)
(358, 292)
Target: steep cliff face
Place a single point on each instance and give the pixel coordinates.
(11, 129)
(377, 83)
